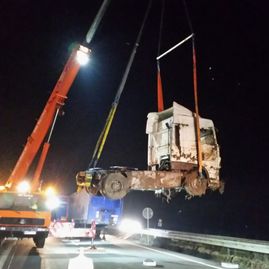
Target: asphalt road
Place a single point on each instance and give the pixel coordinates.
(112, 253)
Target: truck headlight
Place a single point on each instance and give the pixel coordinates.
(52, 202)
(130, 226)
(23, 187)
(50, 191)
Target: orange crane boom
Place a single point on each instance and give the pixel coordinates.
(56, 100)
(25, 208)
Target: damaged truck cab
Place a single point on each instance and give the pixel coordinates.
(172, 146)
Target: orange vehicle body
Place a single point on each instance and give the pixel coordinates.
(24, 215)
(27, 215)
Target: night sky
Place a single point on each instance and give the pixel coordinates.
(232, 57)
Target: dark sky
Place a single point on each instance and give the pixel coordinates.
(232, 54)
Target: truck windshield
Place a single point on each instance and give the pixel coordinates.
(23, 202)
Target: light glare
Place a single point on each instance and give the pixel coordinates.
(82, 57)
(23, 187)
(50, 191)
(52, 202)
(2, 188)
(130, 226)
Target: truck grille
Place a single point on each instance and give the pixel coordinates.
(22, 221)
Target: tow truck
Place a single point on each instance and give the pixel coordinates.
(25, 207)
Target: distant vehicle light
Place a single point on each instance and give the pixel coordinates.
(52, 202)
(23, 187)
(83, 55)
(130, 226)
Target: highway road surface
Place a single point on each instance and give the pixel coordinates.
(74, 254)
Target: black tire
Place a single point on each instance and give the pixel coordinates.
(39, 241)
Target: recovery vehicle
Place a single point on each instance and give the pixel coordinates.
(25, 209)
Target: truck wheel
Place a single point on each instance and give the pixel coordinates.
(39, 241)
(115, 185)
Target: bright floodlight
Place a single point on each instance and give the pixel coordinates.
(83, 55)
(23, 187)
(52, 202)
(2, 188)
(130, 226)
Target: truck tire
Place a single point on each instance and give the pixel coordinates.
(115, 185)
(39, 241)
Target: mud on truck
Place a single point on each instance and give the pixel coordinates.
(172, 160)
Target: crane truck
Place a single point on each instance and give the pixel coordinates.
(25, 209)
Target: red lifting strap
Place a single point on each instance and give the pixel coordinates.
(159, 90)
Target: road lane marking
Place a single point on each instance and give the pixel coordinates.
(6, 253)
(179, 257)
(171, 254)
(80, 261)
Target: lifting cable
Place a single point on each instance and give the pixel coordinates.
(197, 117)
(104, 133)
(195, 88)
(160, 101)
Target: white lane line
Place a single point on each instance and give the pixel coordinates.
(12, 257)
(6, 252)
(180, 257)
(173, 255)
(81, 261)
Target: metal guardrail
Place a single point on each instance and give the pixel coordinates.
(215, 240)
